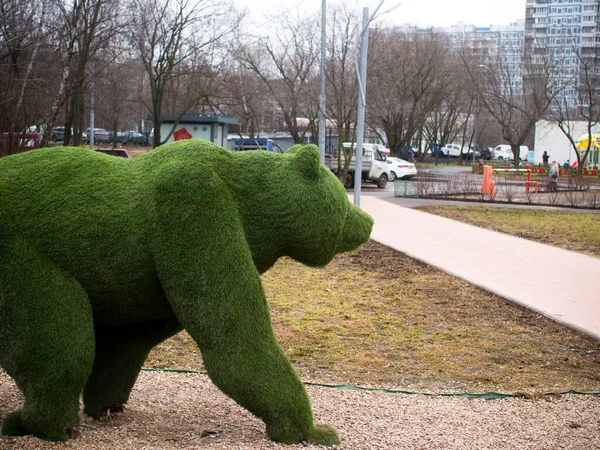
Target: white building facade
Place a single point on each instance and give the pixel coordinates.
(549, 137)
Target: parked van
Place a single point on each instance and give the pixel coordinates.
(504, 151)
(374, 166)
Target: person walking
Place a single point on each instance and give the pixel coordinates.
(553, 178)
(545, 158)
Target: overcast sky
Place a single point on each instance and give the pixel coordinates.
(419, 12)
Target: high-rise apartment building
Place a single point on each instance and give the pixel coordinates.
(493, 40)
(502, 44)
(564, 35)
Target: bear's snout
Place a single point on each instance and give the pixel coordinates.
(357, 229)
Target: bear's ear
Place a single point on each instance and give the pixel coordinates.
(306, 159)
(293, 149)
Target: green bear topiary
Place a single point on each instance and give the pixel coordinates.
(103, 258)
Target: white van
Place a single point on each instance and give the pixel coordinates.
(504, 151)
(374, 165)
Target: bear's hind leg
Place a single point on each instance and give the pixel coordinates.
(46, 341)
(120, 354)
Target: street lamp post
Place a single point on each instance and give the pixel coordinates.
(360, 126)
(361, 73)
(322, 97)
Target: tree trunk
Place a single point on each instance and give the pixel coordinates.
(157, 124)
(31, 60)
(77, 111)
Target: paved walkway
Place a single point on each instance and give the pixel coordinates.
(557, 283)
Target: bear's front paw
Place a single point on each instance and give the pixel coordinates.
(287, 433)
(323, 435)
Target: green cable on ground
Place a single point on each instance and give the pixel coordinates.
(166, 369)
(484, 395)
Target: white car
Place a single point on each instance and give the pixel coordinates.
(400, 169)
(504, 151)
(454, 150)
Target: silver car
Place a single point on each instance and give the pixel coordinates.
(100, 135)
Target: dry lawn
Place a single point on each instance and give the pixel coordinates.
(378, 318)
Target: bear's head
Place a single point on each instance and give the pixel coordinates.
(290, 205)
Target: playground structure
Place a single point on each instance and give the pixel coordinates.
(488, 185)
(583, 143)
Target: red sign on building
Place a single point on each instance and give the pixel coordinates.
(182, 134)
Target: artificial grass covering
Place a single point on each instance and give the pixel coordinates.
(102, 258)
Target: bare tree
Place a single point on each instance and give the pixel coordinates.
(248, 99)
(23, 63)
(286, 63)
(455, 106)
(408, 69)
(171, 38)
(441, 124)
(95, 33)
(87, 28)
(117, 104)
(205, 80)
(516, 91)
(66, 33)
(342, 90)
(488, 131)
(37, 41)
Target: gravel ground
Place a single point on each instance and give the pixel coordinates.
(185, 411)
